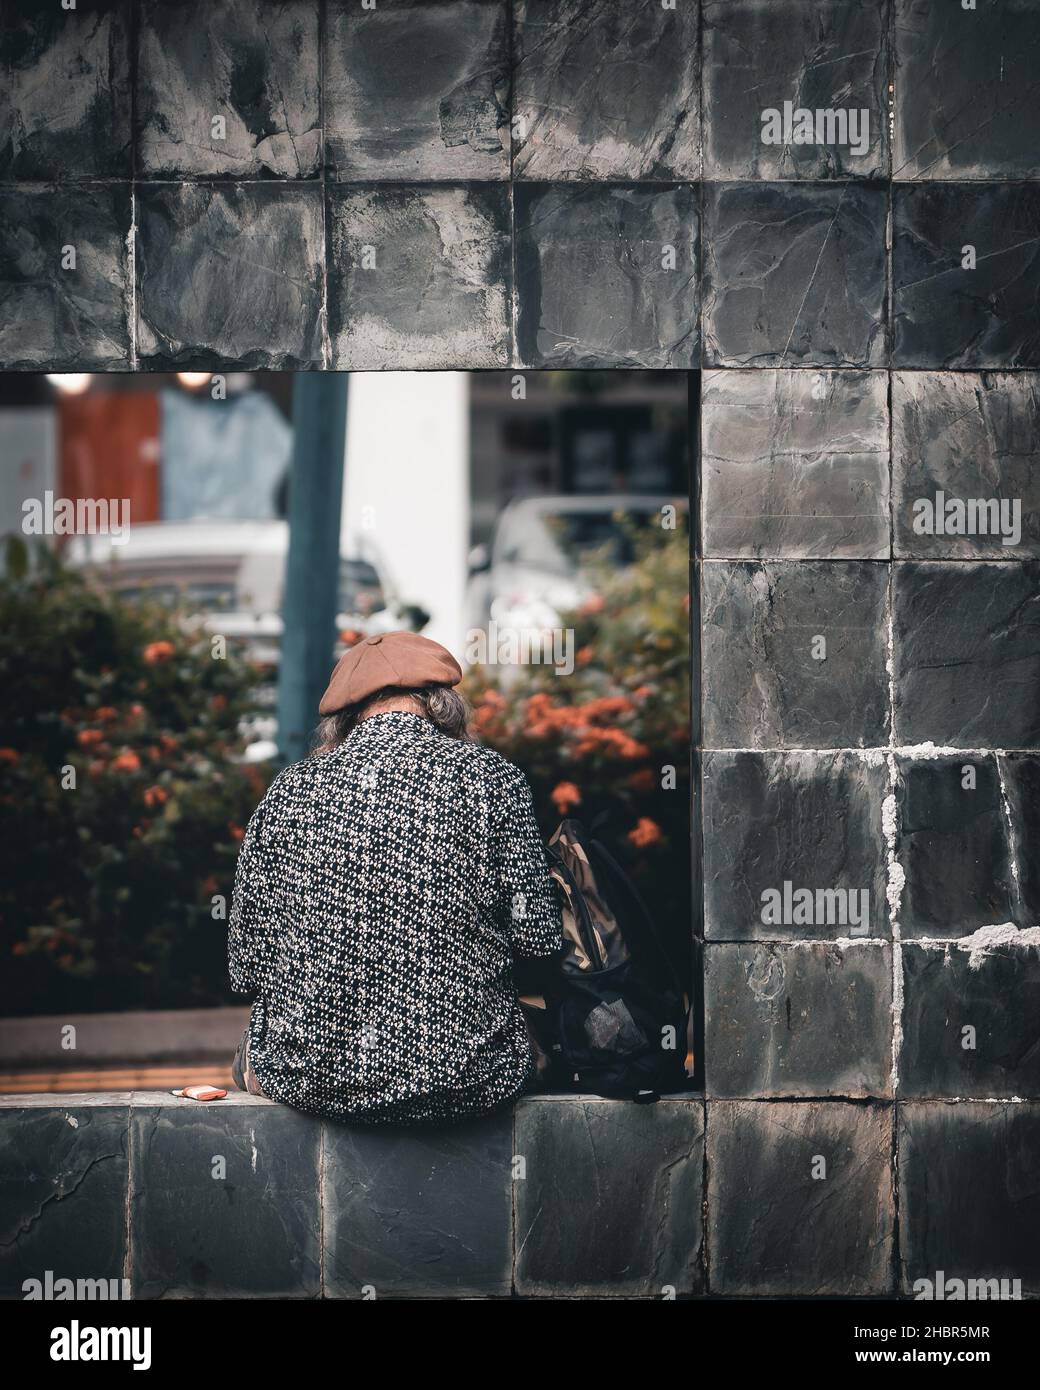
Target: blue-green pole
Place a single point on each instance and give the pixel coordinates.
(319, 412)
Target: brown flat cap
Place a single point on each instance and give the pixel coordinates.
(403, 660)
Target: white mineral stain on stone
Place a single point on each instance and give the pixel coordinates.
(987, 940)
(72, 1121)
(919, 751)
(984, 942)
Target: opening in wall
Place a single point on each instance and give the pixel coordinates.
(168, 554)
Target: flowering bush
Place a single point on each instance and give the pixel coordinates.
(121, 801)
(610, 743)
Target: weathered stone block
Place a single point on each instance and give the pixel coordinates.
(830, 56)
(967, 654)
(63, 1175)
(1021, 773)
(970, 1013)
(66, 94)
(953, 846)
(55, 312)
(417, 90)
(965, 103)
(233, 95)
(419, 277)
(419, 1214)
(974, 438)
(795, 465)
(610, 1204)
(606, 277)
(762, 685)
(800, 1199)
(794, 275)
(229, 275)
(969, 1195)
(811, 819)
(602, 92)
(947, 313)
(785, 1020)
(224, 1201)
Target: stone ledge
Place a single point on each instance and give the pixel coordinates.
(560, 1196)
(244, 1198)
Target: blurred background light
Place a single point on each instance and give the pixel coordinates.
(70, 383)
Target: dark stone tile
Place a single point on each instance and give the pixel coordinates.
(229, 275)
(794, 274)
(419, 1213)
(417, 90)
(604, 92)
(810, 819)
(595, 280)
(970, 1015)
(774, 1227)
(1021, 775)
(953, 846)
(975, 438)
(610, 1200)
(436, 293)
(795, 464)
(798, 1020)
(251, 1233)
(65, 98)
(966, 91)
(829, 56)
(52, 318)
(63, 1175)
(255, 70)
(762, 687)
(967, 654)
(945, 315)
(969, 1195)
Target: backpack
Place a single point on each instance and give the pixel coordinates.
(617, 996)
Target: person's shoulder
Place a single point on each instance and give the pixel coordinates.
(489, 764)
(293, 778)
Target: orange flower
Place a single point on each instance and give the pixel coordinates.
(156, 796)
(218, 702)
(593, 604)
(158, 651)
(642, 781)
(106, 713)
(137, 710)
(126, 762)
(9, 755)
(351, 636)
(235, 831)
(612, 742)
(642, 691)
(86, 738)
(565, 796)
(645, 832)
(584, 655)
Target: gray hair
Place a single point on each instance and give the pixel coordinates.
(444, 707)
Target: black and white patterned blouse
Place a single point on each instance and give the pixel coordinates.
(382, 892)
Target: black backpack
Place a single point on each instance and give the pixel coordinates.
(616, 1013)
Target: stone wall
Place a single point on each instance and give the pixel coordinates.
(576, 183)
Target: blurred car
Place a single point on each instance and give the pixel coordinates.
(231, 574)
(536, 566)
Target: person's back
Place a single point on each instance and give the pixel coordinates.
(383, 891)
